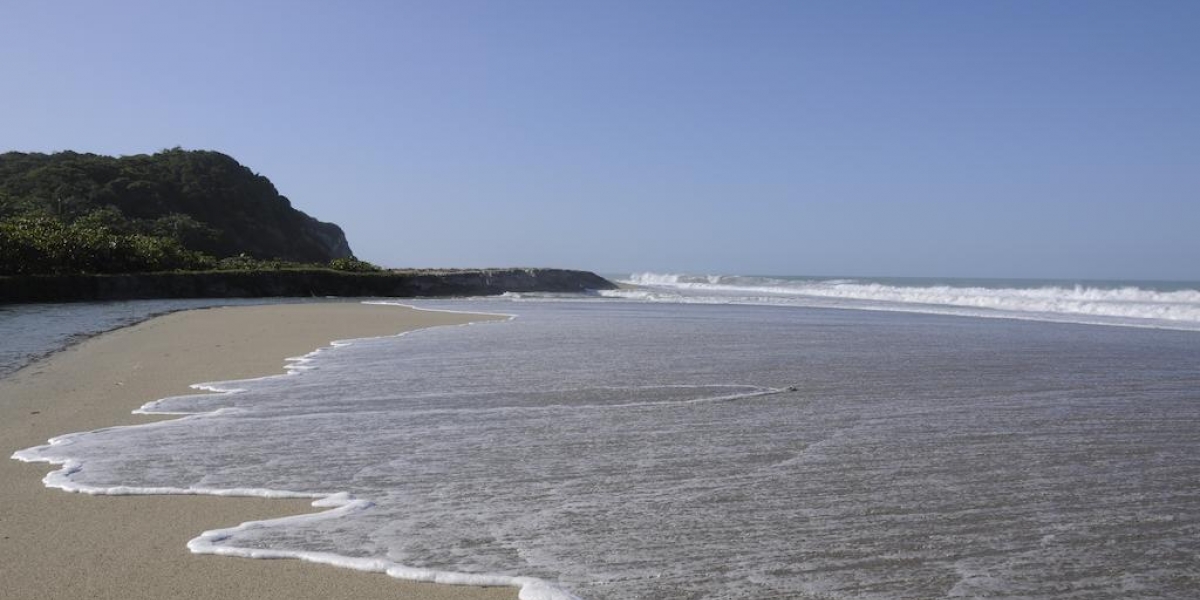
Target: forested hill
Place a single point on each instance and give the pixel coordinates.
(198, 203)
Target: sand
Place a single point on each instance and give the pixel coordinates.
(55, 544)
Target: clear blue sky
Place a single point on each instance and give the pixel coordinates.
(1008, 139)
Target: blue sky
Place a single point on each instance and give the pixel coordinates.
(1002, 139)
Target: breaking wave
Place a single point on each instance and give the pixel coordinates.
(1137, 305)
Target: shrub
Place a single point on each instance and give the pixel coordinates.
(43, 245)
(353, 265)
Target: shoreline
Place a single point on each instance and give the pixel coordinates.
(67, 545)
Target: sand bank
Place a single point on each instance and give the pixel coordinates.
(55, 544)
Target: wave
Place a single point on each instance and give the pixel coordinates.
(1128, 305)
(335, 505)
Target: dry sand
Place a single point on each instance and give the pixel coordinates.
(55, 544)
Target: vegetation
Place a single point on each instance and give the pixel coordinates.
(70, 213)
(353, 265)
(31, 246)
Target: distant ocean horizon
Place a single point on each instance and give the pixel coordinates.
(926, 280)
(1131, 303)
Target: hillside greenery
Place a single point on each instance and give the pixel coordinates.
(69, 213)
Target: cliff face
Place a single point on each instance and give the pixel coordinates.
(328, 238)
(206, 200)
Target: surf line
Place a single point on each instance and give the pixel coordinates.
(335, 504)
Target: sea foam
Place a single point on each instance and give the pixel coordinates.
(336, 504)
(1126, 305)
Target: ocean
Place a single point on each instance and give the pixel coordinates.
(1162, 304)
(722, 437)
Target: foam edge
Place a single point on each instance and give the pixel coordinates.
(337, 504)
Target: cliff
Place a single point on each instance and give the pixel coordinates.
(205, 201)
(295, 283)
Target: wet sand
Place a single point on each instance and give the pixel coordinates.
(55, 544)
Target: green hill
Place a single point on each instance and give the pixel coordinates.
(177, 209)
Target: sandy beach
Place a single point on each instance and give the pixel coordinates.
(55, 544)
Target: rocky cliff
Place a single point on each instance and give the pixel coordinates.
(206, 201)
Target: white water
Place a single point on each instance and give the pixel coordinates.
(338, 504)
(615, 450)
(1114, 304)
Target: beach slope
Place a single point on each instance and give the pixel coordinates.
(55, 544)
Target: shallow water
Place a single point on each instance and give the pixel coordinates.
(32, 331)
(623, 450)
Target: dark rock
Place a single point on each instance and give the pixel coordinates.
(296, 283)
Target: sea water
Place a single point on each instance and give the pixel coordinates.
(32, 331)
(618, 449)
(1163, 304)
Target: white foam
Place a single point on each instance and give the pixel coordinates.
(343, 504)
(1125, 305)
(337, 504)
